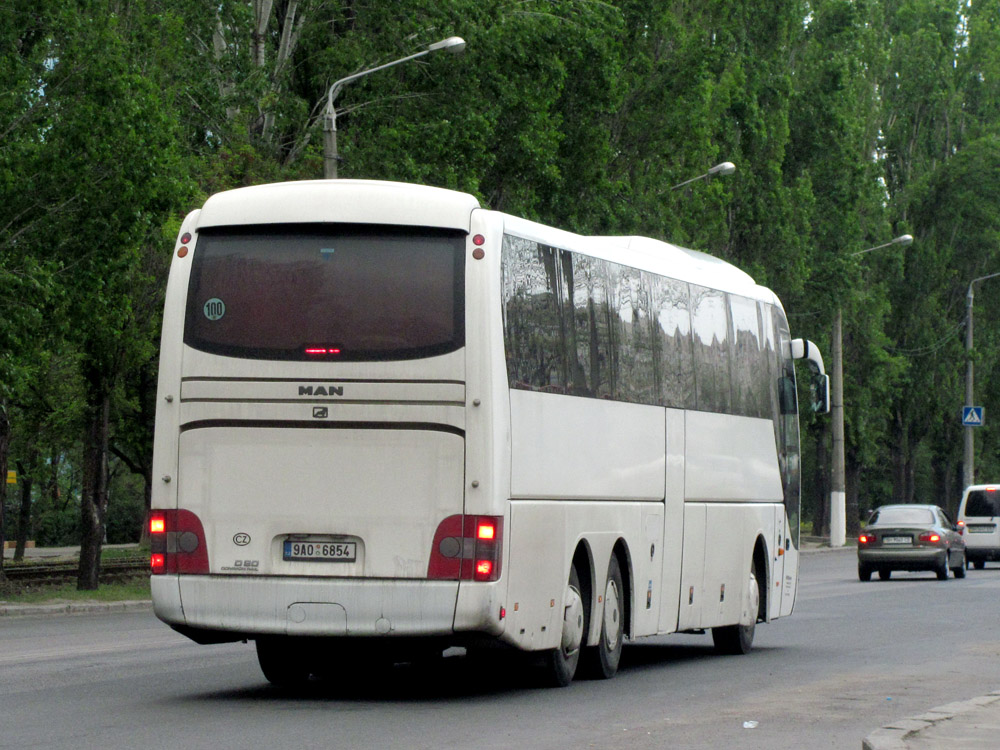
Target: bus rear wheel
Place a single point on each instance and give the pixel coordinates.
(601, 661)
(738, 639)
(561, 662)
(283, 664)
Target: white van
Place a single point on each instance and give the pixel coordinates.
(979, 518)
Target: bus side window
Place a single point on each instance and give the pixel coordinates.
(786, 392)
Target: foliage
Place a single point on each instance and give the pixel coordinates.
(849, 122)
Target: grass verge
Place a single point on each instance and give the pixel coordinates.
(118, 591)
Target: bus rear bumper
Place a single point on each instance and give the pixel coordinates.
(245, 607)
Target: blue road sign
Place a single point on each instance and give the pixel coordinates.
(972, 416)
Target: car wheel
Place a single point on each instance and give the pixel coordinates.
(561, 662)
(979, 564)
(959, 571)
(942, 569)
(884, 573)
(864, 573)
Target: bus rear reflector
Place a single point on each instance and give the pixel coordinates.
(467, 548)
(177, 543)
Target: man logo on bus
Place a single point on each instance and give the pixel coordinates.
(321, 390)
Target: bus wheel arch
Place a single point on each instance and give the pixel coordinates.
(761, 564)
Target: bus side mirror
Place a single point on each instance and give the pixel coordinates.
(821, 393)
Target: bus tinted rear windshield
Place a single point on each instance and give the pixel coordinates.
(327, 292)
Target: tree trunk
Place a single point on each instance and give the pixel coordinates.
(853, 475)
(24, 514)
(94, 500)
(4, 448)
(821, 516)
(897, 448)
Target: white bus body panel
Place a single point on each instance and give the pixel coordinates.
(340, 201)
(568, 448)
(384, 489)
(731, 458)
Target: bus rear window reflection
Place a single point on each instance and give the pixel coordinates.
(365, 293)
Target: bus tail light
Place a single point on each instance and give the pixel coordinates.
(177, 543)
(467, 548)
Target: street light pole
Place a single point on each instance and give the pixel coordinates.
(968, 460)
(838, 480)
(726, 167)
(454, 44)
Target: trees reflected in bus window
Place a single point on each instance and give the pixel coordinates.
(583, 326)
(673, 361)
(749, 374)
(710, 339)
(534, 329)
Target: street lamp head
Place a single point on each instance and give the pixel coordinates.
(727, 167)
(903, 239)
(453, 44)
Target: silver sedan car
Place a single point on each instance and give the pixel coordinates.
(910, 537)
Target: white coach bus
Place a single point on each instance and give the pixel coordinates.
(389, 419)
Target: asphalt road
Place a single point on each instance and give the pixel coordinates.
(852, 657)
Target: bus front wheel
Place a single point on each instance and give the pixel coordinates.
(561, 662)
(738, 639)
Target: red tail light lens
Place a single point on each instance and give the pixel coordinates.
(177, 543)
(468, 548)
(865, 539)
(929, 537)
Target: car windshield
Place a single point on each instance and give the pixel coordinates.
(983, 503)
(904, 517)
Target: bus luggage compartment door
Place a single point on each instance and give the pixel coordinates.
(352, 501)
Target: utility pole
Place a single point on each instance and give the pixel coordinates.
(969, 457)
(838, 479)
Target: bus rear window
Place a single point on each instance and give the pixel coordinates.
(349, 293)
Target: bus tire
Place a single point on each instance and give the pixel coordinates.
(283, 665)
(738, 639)
(561, 662)
(601, 661)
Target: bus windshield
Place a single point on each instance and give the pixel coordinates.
(344, 292)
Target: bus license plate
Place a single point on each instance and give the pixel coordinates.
(320, 551)
(898, 540)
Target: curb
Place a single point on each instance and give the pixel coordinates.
(73, 608)
(893, 736)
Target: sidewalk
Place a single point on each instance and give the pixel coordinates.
(965, 725)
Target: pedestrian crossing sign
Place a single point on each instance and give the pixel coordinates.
(972, 416)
